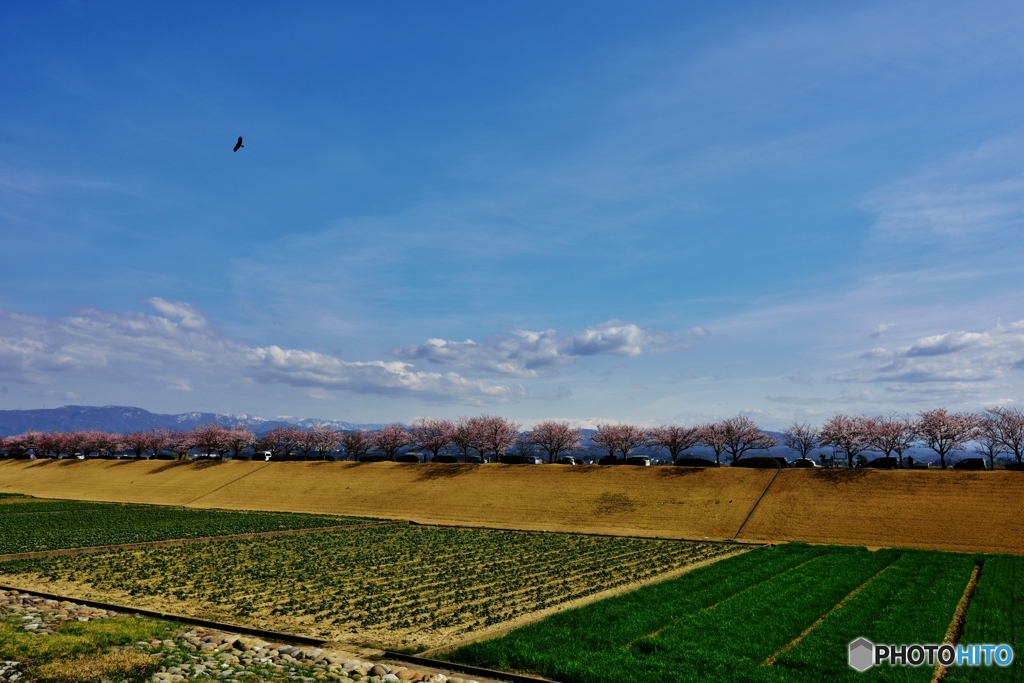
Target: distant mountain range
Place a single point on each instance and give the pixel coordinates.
(122, 419)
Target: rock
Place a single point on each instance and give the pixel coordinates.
(379, 670)
(389, 677)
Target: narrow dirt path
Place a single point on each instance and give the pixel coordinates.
(754, 506)
(956, 625)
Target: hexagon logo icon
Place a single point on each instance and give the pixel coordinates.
(862, 654)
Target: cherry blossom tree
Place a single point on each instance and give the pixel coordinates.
(72, 442)
(524, 446)
(713, 436)
(137, 442)
(631, 437)
(304, 442)
(281, 441)
(180, 443)
(210, 439)
(988, 441)
(944, 432)
(801, 437)
(355, 443)
(49, 442)
(238, 438)
(742, 435)
(477, 431)
(892, 434)
(606, 437)
(159, 439)
(93, 441)
(848, 435)
(496, 435)
(674, 438)
(390, 439)
(620, 438)
(464, 436)
(1009, 422)
(17, 445)
(555, 438)
(324, 440)
(432, 435)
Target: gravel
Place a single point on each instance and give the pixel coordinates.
(204, 654)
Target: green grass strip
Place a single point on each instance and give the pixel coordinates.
(912, 602)
(589, 644)
(996, 615)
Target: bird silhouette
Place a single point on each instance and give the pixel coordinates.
(239, 145)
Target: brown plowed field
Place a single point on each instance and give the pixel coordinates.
(950, 510)
(655, 501)
(945, 510)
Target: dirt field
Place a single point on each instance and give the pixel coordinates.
(944, 510)
(963, 511)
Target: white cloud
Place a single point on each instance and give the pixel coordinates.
(958, 359)
(180, 345)
(950, 342)
(881, 330)
(525, 353)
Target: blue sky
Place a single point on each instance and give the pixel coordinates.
(594, 211)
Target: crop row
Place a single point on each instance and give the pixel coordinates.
(996, 615)
(419, 579)
(724, 621)
(53, 525)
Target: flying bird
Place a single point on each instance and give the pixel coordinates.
(239, 145)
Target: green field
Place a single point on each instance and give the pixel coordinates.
(38, 525)
(399, 585)
(724, 622)
(996, 615)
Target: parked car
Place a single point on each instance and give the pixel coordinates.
(372, 457)
(407, 457)
(474, 459)
(568, 460)
(883, 463)
(781, 460)
(608, 460)
(970, 464)
(446, 458)
(639, 460)
(804, 462)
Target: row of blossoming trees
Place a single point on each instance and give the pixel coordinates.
(995, 432)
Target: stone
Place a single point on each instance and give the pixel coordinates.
(378, 670)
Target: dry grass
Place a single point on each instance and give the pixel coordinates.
(652, 501)
(949, 510)
(132, 665)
